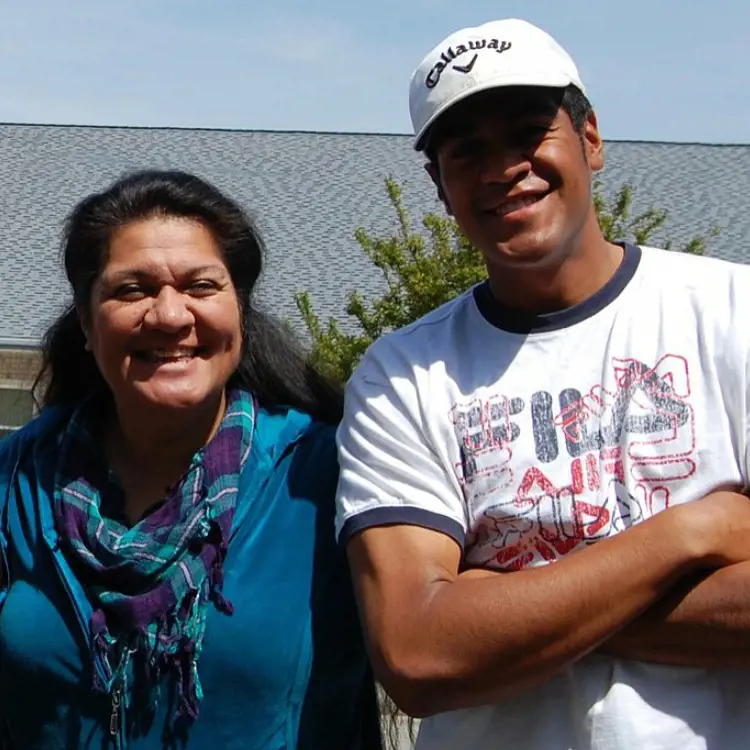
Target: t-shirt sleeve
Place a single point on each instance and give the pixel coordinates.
(390, 472)
(738, 400)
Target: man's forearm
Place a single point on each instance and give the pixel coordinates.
(466, 642)
(702, 621)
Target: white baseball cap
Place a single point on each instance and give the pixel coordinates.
(509, 52)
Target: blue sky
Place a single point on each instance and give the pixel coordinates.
(674, 70)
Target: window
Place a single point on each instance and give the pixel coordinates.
(16, 409)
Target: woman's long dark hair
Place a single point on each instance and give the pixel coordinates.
(271, 364)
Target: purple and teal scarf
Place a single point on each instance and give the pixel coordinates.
(151, 584)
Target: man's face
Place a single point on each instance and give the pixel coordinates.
(516, 175)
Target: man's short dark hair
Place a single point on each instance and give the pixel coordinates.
(577, 107)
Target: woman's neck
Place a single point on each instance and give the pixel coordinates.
(155, 437)
(150, 451)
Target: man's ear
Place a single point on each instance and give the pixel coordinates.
(434, 172)
(593, 143)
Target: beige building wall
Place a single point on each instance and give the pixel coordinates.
(18, 369)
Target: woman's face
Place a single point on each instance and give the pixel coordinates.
(164, 319)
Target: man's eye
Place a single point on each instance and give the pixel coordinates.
(532, 132)
(465, 149)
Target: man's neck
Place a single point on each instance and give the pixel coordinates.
(580, 274)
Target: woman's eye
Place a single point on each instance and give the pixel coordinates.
(202, 288)
(129, 292)
(133, 292)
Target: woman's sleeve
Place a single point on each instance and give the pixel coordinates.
(340, 710)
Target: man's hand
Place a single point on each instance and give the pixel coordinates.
(718, 524)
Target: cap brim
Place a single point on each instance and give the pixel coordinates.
(540, 80)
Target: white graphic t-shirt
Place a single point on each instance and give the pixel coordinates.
(527, 439)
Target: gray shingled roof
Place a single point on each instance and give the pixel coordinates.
(308, 192)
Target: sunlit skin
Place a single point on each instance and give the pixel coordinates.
(503, 146)
(164, 327)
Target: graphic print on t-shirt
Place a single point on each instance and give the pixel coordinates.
(600, 460)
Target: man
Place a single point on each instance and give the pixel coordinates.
(535, 478)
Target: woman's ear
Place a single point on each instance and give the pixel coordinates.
(83, 321)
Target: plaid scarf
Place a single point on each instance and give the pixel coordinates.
(150, 584)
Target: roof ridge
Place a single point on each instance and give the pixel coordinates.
(295, 131)
(201, 129)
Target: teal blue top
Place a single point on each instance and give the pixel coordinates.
(286, 670)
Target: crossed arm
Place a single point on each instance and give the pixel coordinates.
(442, 640)
(702, 621)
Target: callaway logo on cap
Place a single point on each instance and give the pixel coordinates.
(499, 53)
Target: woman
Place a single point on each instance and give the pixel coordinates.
(170, 576)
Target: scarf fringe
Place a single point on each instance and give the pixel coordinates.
(216, 579)
(175, 649)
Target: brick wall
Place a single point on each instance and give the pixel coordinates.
(18, 367)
